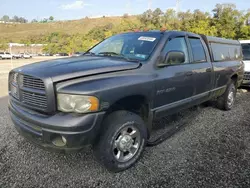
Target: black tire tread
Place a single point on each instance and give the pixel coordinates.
(222, 100)
(113, 122)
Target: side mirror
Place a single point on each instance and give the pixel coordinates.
(171, 58)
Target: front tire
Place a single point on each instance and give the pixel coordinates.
(122, 141)
(227, 100)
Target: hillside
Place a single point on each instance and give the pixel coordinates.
(17, 32)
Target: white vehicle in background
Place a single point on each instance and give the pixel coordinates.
(246, 59)
(26, 56)
(16, 56)
(5, 55)
(77, 54)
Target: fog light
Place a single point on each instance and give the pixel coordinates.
(59, 141)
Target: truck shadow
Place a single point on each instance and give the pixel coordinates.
(244, 89)
(171, 124)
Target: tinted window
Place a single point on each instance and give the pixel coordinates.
(1, 53)
(197, 49)
(246, 51)
(177, 44)
(225, 52)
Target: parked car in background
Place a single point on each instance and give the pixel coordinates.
(110, 96)
(5, 55)
(77, 54)
(16, 56)
(246, 58)
(61, 54)
(26, 55)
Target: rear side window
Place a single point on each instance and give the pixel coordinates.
(198, 50)
(225, 52)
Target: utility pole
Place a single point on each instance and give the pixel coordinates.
(128, 6)
(149, 4)
(177, 6)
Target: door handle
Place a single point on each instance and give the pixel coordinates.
(209, 70)
(189, 73)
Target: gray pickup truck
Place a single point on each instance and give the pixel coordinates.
(110, 96)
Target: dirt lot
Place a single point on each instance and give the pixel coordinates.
(213, 150)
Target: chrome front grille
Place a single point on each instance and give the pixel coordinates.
(34, 83)
(28, 90)
(246, 76)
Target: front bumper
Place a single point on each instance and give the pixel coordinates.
(79, 130)
(246, 79)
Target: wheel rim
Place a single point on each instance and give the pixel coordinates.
(126, 143)
(230, 99)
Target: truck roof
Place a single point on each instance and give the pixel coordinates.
(207, 39)
(245, 41)
(222, 40)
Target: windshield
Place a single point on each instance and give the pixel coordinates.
(7, 53)
(246, 51)
(135, 46)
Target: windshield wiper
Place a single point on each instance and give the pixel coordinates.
(117, 55)
(110, 54)
(89, 53)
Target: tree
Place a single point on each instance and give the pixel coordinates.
(146, 17)
(51, 18)
(5, 18)
(227, 19)
(157, 17)
(125, 15)
(19, 19)
(170, 20)
(3, 46)
(45, 20)
(34, 21)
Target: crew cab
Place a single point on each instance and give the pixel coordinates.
(110, 96)
(246, 59)
(5, 55)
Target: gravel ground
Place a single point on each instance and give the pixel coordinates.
(213, 150)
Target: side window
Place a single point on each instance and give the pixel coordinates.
(177, 44)
(226, 52)
(197, 49)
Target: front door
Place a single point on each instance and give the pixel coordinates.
(175, 82)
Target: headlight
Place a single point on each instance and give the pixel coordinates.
(77, 103)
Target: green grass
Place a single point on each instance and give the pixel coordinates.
(16, 32)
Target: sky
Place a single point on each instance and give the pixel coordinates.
(77, 9)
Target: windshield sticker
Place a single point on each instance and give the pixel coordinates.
(149, 39)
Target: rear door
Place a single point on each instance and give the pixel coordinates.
(202, 69)
(175, 82)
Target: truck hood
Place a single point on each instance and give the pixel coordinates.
(68, 68)
(247, 66)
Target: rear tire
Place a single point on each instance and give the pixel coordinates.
(122, 141)
(226, 101)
